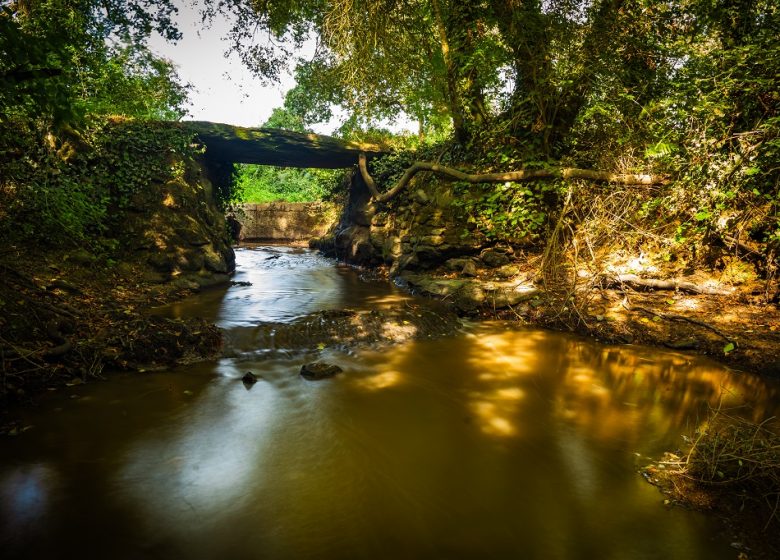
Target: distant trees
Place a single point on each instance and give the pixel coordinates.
(266, 183)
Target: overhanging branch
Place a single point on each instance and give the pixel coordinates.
(508, 176)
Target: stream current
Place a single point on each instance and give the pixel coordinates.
(495, 442)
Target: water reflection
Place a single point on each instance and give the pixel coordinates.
(25, 497)
(277, 283)
(494, 443)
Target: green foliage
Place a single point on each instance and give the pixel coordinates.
(514, 212)
(65, 66)
(264, 183)
(258, 183)
(69, 194)
(508, 211)
(60, 61)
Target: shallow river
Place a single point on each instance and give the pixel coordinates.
(494, 443)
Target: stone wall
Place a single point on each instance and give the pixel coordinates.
(422, 228)
(176, 230)
(287, 221)
(426, 240)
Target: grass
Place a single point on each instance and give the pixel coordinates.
(731, 467)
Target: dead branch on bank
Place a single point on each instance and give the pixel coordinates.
(634, 281)
(501, 177)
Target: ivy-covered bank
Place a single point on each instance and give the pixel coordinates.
(96, 228)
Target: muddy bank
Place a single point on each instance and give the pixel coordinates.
(65, 322)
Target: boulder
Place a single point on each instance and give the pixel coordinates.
(507, 271)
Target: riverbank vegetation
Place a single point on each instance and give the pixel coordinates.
(684, 92)
(730, 466)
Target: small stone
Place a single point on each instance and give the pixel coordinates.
(249, 378)
(319, 370)
(494, 258)
(469, 269)
(507, 271)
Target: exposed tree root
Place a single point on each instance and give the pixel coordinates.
(510, 176)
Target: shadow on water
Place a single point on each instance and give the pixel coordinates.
(491, 443)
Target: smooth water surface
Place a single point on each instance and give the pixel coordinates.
(493, 443)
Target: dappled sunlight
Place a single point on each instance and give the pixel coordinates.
(388, 300)
(687, 303)
(504, 355)
(393, 330)
(615, 394)
(494, 418)
(380, 381)
(504, 363)
(496, 410)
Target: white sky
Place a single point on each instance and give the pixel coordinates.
(224, 90)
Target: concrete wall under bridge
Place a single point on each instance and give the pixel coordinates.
(286, 221)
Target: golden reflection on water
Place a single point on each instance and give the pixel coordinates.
(609, 392)
(498, 443)
(381, 380)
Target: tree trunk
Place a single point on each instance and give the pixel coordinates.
(451, 78)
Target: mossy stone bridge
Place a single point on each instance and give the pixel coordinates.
(268, 146)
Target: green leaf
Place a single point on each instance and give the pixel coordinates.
(729, 348)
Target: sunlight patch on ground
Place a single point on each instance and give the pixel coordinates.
(688, 303)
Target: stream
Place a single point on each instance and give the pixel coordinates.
(495, 442)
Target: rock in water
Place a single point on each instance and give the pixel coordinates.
(249, 378)
(319, 370)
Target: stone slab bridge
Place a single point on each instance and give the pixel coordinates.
(269, 146)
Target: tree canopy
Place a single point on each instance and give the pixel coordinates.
(64, 59)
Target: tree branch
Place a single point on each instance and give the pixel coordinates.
(635, 281)
(508, 176)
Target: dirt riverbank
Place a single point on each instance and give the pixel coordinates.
(68, 316)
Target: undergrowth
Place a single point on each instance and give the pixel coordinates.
(731, 465)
